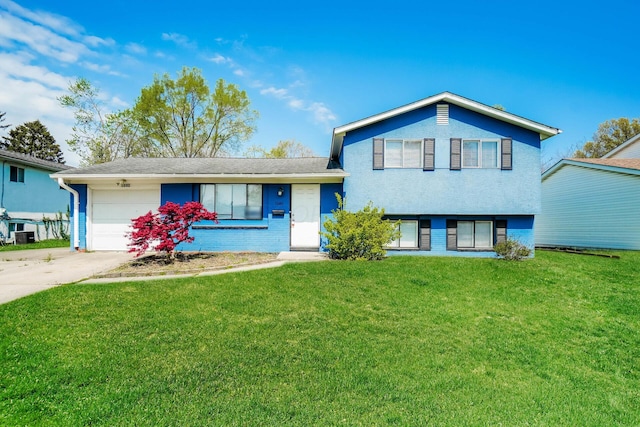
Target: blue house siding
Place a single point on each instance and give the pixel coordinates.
(442, 191)
(270, 234)
(37, 194)
(518, 227)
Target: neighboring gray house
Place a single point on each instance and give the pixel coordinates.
(592, 203)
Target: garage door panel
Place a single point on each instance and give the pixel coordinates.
(112, 213)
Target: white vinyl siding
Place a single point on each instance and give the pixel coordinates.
(591, 208)
(233, 201)
(478, 153)
(403, 153)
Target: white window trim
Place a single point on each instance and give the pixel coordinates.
(480, 141)
(404, 141)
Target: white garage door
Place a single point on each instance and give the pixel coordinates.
(112, 212)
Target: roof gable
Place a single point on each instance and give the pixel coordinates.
(626, 166)
(339, 132)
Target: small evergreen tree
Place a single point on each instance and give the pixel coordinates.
(34, 139)
(359, 235)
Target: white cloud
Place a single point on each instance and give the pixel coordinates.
(98, 41)
(239, 72)
(58, 23)
(296, 104)
(136, 49)
(321, 113)
(278, 93)
(119, 103)
(179, 39)
(219, 59)
(104, 68)
(16, 66)
(40, 39)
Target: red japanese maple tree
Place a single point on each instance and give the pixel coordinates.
(165, 230)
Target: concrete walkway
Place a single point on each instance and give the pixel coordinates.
(283, 258)
(26, 272)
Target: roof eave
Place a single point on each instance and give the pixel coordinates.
(197, 178)
(543, 130)
(566, 162)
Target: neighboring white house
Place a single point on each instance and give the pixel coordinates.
(592, 203)
(628, 150)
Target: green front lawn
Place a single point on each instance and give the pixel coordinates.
(42, 244)
(405, 341)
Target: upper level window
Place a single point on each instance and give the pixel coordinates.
(233, 201)
(403, 153)
(16, 174)
(480, 153)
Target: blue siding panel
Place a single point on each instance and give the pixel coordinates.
(444, 192)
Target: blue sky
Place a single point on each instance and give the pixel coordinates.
(308, 68)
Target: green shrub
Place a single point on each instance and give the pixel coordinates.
(359, 235)
(512, 250)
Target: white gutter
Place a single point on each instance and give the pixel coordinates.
(76, 212)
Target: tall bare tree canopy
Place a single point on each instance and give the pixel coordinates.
(609, 135)
(34, 139)
(184, 118)
(283, 150)
(170, 118)
(98, 135)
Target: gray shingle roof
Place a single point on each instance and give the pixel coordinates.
(25, 159)
(208, 166)
(620, 163)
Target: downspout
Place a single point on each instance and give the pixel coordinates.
(76, 212)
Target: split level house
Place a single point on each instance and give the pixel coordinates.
(460, 175)
(27, 194)
(593, 203)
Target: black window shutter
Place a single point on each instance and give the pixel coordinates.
(501, 230)
(456, 149)
(378, 153)
(429, 154)
(505, 146)
(452, 234)
(425, 235)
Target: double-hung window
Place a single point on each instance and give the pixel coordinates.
(408, 235)
(233, 201)
(16, 174)
(475, 234)
(480, 153)
(403, 153)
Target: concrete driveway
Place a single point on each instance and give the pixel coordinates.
(26, 272)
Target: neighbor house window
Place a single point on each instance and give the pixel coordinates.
(16, 226)
(480, 153)
(403, 153)
(475, 234)
(233, 201)
(408, 235)
(16, 174)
